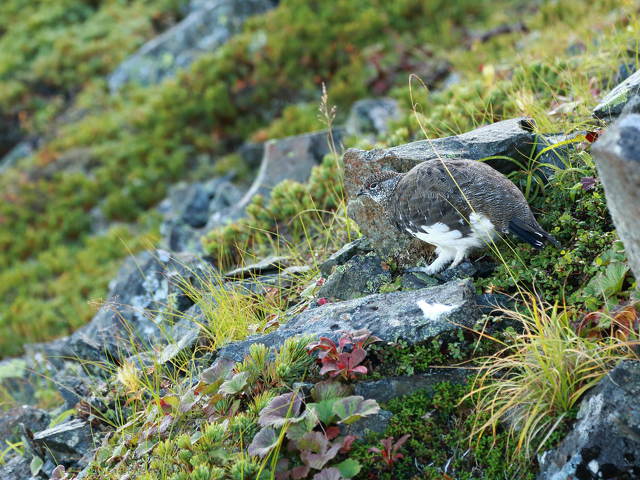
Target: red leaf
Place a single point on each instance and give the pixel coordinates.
(348, 441)
(592, 136)
(357, 356)
(332, 432)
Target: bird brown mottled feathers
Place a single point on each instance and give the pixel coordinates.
(456, 205)
(451, 189)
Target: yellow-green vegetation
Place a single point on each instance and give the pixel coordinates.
(233, 311)
(198, 431)
(49, 51)
(297, 216)
(536, 380)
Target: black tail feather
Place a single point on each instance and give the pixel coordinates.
(533, 235)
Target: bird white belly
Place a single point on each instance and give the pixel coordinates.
(443, 236)
(450, 243)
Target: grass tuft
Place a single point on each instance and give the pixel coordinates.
(535, 382)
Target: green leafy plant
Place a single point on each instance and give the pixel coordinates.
(313, 439)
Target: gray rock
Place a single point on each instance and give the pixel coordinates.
(558, 154)
(625, 70)
(15, 380)
(371, 116)
(392, 317)
(464, 270)
(188, 208)
(512, 138)
(184, 335)
(290, 158)
(415, 281)
(617, 155)
(143, 301)
(613, 103)
(489, 303)
(393, 387)
(252, 153)
(605, 441)
(266, 265)
(359, 246)
(66, 443)
(209, 24)
(373, 424)
(34, 419)
(360, 276)
(16, 468)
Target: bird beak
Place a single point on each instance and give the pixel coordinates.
(360, 193)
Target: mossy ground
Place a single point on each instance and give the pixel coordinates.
(439, 423)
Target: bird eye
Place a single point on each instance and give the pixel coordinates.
(372, 186)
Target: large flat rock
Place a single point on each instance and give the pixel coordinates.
(414, 317)
(613, 103)
(617, 156)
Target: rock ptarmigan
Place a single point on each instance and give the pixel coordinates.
(455, 205)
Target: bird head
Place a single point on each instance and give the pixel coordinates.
(380, 186)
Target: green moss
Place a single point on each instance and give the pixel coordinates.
(439, 424)
(50, 51)
(446, 349)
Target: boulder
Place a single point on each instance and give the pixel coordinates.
(143, 301)
(377, 423)
(209, 24)
(556, 151)
(605, 440)
(271, 264)
(359, 246)
(511, 138)
(290, 158)
(617, 156)
(187, 209)
(15, 380)
(184, 336)
(66, 443)
(16, 468)
(34, 419)
(361, 275)
(613, 103)
(414, 317)
(372, 116)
